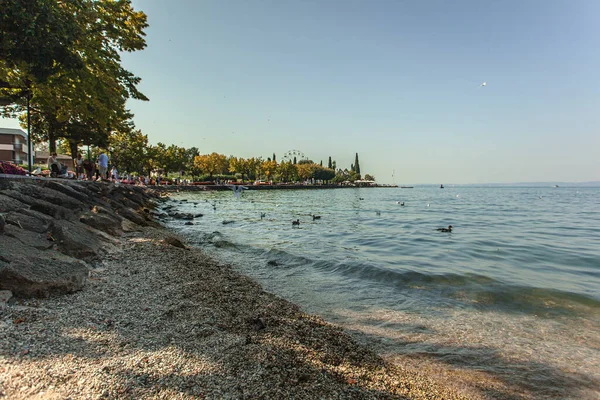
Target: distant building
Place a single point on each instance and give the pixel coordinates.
(13, 145)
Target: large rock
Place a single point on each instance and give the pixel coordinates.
(8, 203)
(51, 196)
(53, 210)
(68, 190)
(104, 223)
(29, 220)
(28, 272)
(77, 240)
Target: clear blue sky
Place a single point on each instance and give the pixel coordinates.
(396, 81)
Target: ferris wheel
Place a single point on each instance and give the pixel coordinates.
(291, 154)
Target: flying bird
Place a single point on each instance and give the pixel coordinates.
(483, 84)
(237, 189)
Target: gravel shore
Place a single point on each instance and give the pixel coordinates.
(159, 321)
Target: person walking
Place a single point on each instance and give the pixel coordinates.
(103, 165)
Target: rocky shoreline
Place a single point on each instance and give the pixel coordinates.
(108, 304)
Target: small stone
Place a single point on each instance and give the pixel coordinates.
(5, 295)
(173, 241)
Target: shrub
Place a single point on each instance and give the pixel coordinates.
(11, 169)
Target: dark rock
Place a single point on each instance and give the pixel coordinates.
(51, 196)
(2, 224)
(29, 220)
(29, 272)
(173, 241)
(67, 190)
(181, 215)
(104, 223)
(38, 240)
(76, 240)
(272, 263)
(54, 211)
(131, 215)
(257, 324)
(8, 203)
(189, 223)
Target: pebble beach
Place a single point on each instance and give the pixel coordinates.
(160, 321)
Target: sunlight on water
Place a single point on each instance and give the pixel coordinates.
(513, 290)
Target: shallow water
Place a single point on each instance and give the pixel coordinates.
(513, 290)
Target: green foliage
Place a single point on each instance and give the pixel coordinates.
(369, 177)
(131, 152)
(81, 100)
(287, 171)
(356, 165)
(38, 40)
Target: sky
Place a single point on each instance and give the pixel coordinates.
(397, 82)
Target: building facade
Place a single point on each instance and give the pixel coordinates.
(13, 145)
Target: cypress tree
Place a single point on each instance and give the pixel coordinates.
(294, 159)
(329, 165)
(356, 165)
(274, 159)
(321, 164)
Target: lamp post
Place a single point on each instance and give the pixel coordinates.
(29, 147)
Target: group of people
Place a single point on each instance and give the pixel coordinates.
(85, 169)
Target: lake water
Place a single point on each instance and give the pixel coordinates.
(513, 291)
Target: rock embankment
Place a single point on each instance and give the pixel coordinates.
(52, 232)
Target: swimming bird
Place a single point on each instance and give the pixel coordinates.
(427, 204)
(402, 204)
(296, 222)
(316, 217)
(262, 215)
(448, 229)
(377, 212)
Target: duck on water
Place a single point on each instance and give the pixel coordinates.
(448, 229)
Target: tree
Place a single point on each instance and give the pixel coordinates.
(307, 170)
(38, 40)
(211, 164)
(252, 167)
(237, 165)
(269, 168)
(190, 154)
(286, 171)
(369, 177)
(274, 159)
(356, 165)
(130, 151)
(79, 102)
(329, 165)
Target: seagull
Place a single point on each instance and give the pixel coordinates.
(237, 189)
(427, 204)
(483, 84)
(448, 229)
